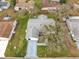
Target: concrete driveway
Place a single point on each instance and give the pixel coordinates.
(32, 48)
(3, 46)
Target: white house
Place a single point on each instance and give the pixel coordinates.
(6, 32)
(73, 25)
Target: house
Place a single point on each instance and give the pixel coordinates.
(6, 31)
(50, 5)
(23, 5)
(34, 27)
(73, 25)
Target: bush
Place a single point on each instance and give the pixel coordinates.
(62, 1)
(12, 2)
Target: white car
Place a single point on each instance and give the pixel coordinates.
(7, 17)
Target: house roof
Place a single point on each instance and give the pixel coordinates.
(73, 25)
(46, 3)
(74, 17)
(5, 28)
(36, 25)
(23, 5)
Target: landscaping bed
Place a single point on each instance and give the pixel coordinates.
(55, 46)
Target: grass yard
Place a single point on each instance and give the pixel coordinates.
(52, 15)
(41, 51)
(18, 39)
(38, 3)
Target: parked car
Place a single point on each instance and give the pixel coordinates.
(7, 17)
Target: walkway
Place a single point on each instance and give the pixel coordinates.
(32, 48)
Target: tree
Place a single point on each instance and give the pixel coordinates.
(62, 1)
(13, 3)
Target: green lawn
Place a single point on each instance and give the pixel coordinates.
(18, 39)
(38, 3)
(41, 51)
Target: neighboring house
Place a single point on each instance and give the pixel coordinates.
(6, 32)
(73, 25)
(23, 5)
(50, 5)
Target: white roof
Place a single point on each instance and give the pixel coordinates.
(35, 25)
(73, 25)
(56, 0)
(74, 17)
